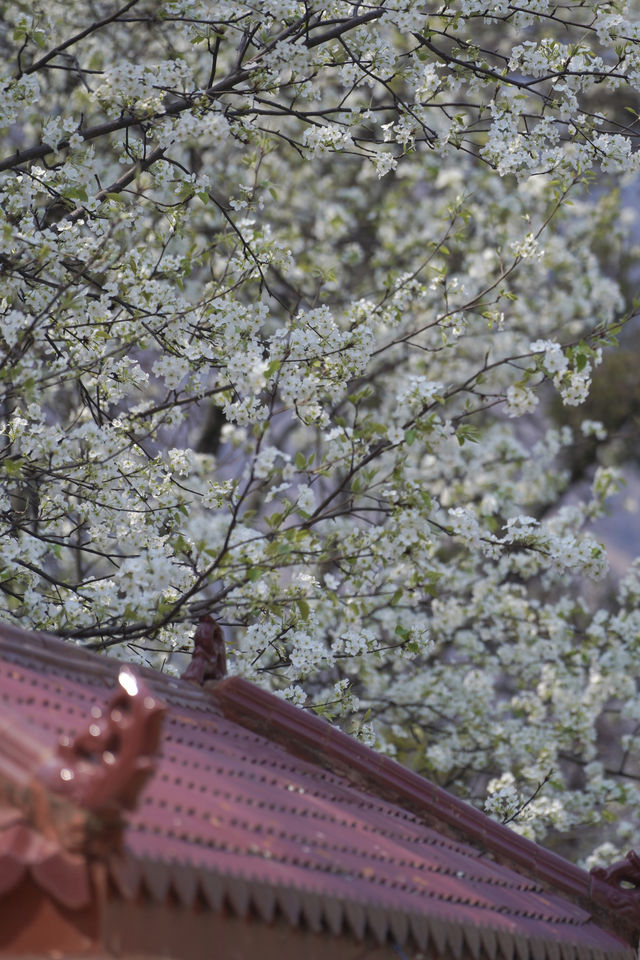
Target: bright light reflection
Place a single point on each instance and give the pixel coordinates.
(128, 681)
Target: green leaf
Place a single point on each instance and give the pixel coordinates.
(467, 432)
(186, 191)
(75, 193)
(581, 361)
(12, 467)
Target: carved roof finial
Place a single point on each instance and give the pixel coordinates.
(209, 661)
(608, 892)
(104, 768)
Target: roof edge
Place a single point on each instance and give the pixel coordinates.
(67, 655)
(322, 913)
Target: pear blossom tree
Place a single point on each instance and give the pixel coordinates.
(286, 288)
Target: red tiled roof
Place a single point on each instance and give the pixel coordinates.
(260, 805)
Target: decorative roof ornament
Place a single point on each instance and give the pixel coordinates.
(608, 892)
(209, 660)
(104, 768)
